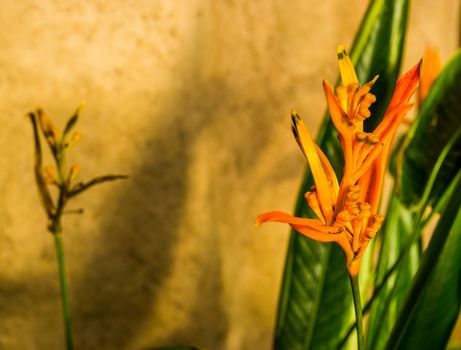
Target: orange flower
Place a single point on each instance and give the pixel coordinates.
(346, 213)
(429, 71)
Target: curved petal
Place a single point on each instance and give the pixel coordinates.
(331, 175)
(279, 216)
(337, 113)
(309, 149)
(315, 235)
(405, 88)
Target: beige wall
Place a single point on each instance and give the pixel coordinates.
(191, 98)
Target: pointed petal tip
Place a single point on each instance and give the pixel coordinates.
(417, 68)
(276, 216)
(346, 67)
(415, 71)
(295, 115)
(341, 51)
(262, 218)
(327, 88)
(295, 119)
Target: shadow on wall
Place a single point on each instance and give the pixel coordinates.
(138, 238)
(123, 280)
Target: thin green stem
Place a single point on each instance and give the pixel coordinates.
(358, 311)
(63, 285)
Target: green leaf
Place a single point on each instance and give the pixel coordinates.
(315, 289)
(385, 310)
(433, 303)
(438, 121)
(395, 234)
(336, 284)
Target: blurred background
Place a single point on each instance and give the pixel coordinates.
(192, 100)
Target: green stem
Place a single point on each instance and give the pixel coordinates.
(358, 311)
(63, 285)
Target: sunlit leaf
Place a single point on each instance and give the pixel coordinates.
(314, 272)
(433, 303)
(395, 234)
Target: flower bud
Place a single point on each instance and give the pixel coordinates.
(49, 175)
(73, 173)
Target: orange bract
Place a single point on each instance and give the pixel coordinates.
(346, 213)
(429, 71)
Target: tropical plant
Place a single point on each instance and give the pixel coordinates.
(411, 292)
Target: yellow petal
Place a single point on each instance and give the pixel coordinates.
(346, 68)
(337, 113)
(309, 148)
(330, 173)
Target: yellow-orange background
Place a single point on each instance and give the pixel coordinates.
(191, 98)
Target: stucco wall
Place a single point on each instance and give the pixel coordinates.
(191, 98)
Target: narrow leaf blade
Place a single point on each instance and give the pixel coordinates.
(394, 236)
(433, 303)
(309, 283)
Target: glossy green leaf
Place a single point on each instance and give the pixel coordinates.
(388, 302)
(437, 122)
(315, 289)
(395, 234)
(433, 303)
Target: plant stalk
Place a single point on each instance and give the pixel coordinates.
(63, 284)
(358, 311)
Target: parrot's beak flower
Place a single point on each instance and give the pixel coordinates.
(347, 212)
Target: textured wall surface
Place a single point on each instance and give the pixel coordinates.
(191, 98)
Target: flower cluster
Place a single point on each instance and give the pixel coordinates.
(347, 212)
(63, 179)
